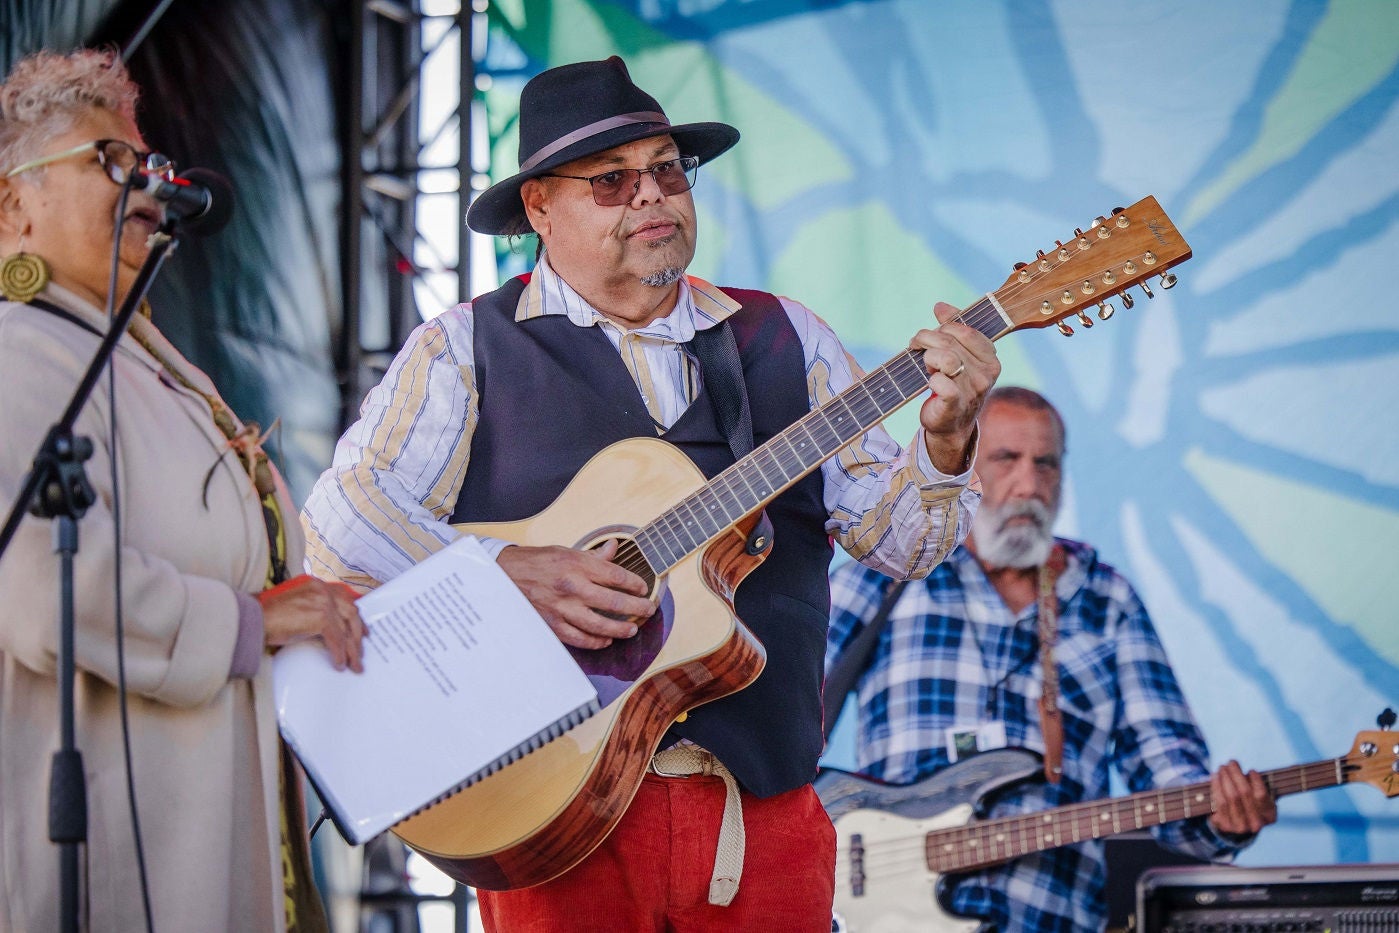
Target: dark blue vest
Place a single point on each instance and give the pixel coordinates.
(553, 394)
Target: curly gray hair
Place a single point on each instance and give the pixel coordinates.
(45, 94)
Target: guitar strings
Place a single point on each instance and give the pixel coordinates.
(856, 400)
(982, 314)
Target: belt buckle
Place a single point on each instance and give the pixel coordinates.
(706, 757)
(655, 769)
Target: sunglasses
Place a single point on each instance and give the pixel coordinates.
(118, 159)
(619, 186)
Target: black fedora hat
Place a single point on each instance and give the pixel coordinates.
(578, 110)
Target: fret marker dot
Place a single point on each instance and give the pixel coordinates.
(1048, 837)
(1199, 798)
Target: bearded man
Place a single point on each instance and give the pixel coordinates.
(958, 670)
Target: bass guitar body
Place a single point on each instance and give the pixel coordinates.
(541, 815)
(884, 883)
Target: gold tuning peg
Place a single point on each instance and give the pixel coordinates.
(1065, 329)
(1105, 310)
(1084, 319)
(1168, 280)
(1128, 301)
(1147, 288)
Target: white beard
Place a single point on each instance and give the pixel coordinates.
(1020, 545)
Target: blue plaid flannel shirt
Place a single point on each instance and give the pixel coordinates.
(963, 659)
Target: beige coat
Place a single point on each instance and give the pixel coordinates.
(204, 747)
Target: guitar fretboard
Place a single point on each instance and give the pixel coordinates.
(983, 844)
(799, 449)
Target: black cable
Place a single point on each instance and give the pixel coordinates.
(144, 30)
(993, 691)
(120, 629)
(317, 825)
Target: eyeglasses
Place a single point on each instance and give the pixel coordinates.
(619, 186)
(118, 159)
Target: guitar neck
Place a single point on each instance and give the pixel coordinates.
(991, 842)
(762, 475)
(1112, 255)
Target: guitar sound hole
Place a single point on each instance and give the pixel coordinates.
(629, 556)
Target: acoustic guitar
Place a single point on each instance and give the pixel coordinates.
(896, 845)
(536, 818)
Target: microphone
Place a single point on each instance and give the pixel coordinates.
(199, 199)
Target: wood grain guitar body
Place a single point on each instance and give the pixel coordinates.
(539, 816)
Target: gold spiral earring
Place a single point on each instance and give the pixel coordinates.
(22, 275)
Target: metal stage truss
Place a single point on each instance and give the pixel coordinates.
(408, 146)
(409, 85)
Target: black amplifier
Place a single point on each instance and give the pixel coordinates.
(1306, 899)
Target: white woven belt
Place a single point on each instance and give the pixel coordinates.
(683, 760)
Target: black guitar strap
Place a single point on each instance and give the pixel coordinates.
(847, 670)
(722, 372)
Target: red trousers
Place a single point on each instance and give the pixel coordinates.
(651, 875)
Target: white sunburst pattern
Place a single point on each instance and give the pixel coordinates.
(1232, 442)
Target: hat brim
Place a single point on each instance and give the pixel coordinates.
(499, 211)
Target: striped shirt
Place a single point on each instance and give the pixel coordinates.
(953, 655)
(382, 505)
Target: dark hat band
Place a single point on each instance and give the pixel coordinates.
(592, 129)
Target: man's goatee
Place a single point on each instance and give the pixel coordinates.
(663, 277)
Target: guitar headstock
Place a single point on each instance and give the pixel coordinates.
(1125, 249)
(1374, 759)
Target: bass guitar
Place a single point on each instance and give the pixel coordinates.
(536, 818)
(896, 844)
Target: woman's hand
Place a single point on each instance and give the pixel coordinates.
(306, 607)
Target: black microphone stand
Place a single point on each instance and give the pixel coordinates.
(57, 487)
